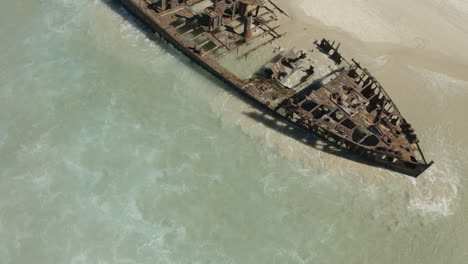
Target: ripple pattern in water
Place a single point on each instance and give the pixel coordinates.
(114, 148)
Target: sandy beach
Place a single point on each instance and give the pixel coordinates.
(116, 148)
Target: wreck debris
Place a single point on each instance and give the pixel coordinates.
(347, 107)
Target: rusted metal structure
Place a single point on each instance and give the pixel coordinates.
(347, 107)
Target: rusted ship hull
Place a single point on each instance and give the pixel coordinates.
(325, 112)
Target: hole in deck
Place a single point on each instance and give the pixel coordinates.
(338, 116)
(189, 26)
(371, 141)
(210, 45)
(309, 105)
(320, 112)
(358, 135)
(196, 32)
(178, 22)
(200, 40)
(349, 124)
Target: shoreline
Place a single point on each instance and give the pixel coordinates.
(423, 53)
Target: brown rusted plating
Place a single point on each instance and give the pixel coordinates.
(351, 110)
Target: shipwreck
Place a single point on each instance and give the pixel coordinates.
(344, 105)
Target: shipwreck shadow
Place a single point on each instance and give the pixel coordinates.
(302, 135)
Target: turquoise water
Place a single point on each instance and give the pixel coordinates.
(115, 148)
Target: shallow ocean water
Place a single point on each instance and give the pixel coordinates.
(115, 148)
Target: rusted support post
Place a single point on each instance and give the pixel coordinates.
(234, 9)
(243, 9)
(248, 27)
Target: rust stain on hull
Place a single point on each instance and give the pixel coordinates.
(348, 107)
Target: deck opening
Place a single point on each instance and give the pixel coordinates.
(309, 105)
(178, 22)
(338, 116)
(348, 123)
(192, 25)
(368, 92)
(371, 141)
(194, 33)
(210, 45)
(299, 98)
(358, 135)
(320, 112)
(200, 40)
